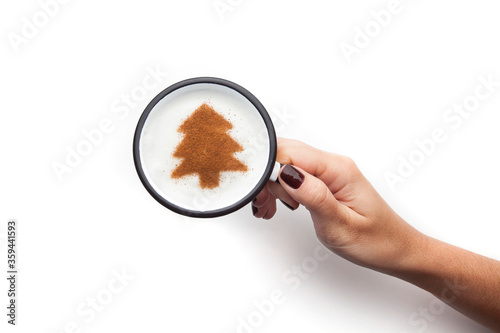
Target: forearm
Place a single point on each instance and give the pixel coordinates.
(466, 281)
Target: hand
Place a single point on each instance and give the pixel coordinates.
(352, 220)
(349, 216)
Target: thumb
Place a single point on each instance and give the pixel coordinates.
(311, 192)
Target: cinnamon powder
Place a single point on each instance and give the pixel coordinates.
(207, 149)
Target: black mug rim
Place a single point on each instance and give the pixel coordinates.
(221, 211)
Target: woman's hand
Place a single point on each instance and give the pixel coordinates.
(350, 217)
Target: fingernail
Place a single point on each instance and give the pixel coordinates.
(254, 210)
(291, 176)
(287, 205)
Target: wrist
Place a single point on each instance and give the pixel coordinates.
(414, 253)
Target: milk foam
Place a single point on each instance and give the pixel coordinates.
(160, 138)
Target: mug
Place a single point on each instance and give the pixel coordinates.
(160, 134)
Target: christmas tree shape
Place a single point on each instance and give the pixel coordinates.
(207, 149)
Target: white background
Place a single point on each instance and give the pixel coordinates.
(202, 275)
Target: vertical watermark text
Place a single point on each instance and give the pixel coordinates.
(12, 272)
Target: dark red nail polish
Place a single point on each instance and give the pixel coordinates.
(291, 176)
(287, 205)
(254, 210)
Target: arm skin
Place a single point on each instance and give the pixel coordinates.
(352, 220)
(466, 281)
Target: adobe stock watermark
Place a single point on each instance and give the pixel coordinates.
(222, 7)
(94, 305)
(32, 25)
(453, 119)
(421, 319)
(281, 118)
(293, 279)
(120, 109)
(379, 20)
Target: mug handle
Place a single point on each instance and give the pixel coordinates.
(276, 172)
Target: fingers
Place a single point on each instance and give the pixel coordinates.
(279, 192)
(264, 205)
(312, 193)
(334, 179)
(271, 209)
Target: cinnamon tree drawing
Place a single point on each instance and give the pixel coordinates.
(207, 149)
